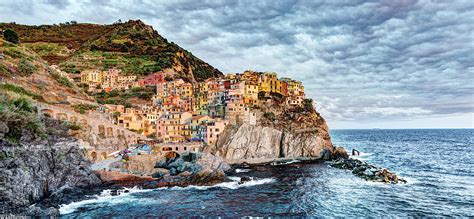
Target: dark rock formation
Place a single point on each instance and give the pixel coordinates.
(245, 179)
(339, 152)
(36, 170)
(189, 169)
(367, 171)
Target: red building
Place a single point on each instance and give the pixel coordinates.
(227, 85)
(284, 88)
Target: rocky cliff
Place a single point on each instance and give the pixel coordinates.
(280, 132)
(37, 159)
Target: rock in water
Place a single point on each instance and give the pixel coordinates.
(326, 154)
(366, 171)
(340, 152)
(245, 179)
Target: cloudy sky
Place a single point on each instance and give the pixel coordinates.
(386, 64)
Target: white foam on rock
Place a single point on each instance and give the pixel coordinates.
(242, 170)
(362, 156)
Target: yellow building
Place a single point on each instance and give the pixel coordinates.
(250, 93)
(173, 126)
(268, 82)
(92, 76)
(295, 88)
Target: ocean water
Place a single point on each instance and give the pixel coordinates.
(438, 164)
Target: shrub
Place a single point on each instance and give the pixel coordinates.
(26, 68)
(13, 52)
(116, 114)
(74, 127)
(10, 36)
(4, 70)
(20, 117)
(83, 108)
(62, 80)
(308, 105)
(21, 91)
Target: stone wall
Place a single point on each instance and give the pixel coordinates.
(98, 134)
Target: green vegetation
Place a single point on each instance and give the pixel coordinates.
(121, 97)
(14, 52)
(308, 105)
(75, 127)
(116, 114)
(18, 119)
(83, 108)
(10, 36)
(131, 46)
(26, 68)
(62, 80)
(128, 63)
(21, 91)
(47, 49)
(69, 68)
(4, 70)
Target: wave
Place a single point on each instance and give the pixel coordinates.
(242, 170)
(362, 156)
(106, 196)
(277, 163)
(122, 196)
(234, 184)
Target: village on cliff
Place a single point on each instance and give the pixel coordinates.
(184, 116)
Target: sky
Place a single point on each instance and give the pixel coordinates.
(366, 64)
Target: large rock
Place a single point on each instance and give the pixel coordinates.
(367, 171)
(340, 152)
(189, 169)
(253, 142)
(30, 173)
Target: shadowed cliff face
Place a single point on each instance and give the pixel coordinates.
(34, 170)
(290, 132)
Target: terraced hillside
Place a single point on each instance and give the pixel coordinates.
(133, 46)
(25, 73)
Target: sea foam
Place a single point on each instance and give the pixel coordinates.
(106, 197)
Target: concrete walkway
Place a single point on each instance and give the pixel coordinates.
(105, 163)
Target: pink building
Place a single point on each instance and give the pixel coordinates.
(152, 79)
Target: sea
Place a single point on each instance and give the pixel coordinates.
(437, 163)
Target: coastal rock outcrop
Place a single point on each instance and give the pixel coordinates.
(189, 169)
(259, 143)
(33, 171)
(278, 131)
(367, 171)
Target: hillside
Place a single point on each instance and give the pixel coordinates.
(23, 72)
(133, 47)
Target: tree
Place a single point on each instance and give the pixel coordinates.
(10, 36)
(308, 105)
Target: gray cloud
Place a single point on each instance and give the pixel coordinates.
(360, 60)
